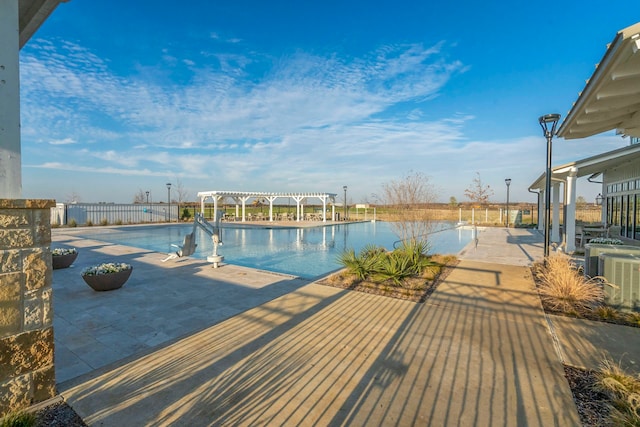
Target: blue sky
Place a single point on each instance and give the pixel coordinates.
(121, 96)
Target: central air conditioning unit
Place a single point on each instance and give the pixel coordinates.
(593, 250)
(622, 271)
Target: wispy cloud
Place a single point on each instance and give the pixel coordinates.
(304, 122)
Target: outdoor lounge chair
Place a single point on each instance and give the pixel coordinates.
(188, 247)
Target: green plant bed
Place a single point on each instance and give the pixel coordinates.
(416, 288)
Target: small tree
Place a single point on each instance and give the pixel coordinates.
(478, 192)
(581, 203)
(453, 202)
(410, 197)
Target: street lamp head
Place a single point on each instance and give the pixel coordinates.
(507, 181)
(549, 120)
(344, 187)
(599, 199)
(168, 185)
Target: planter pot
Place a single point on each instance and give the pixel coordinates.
(108, 282)
(63, 261)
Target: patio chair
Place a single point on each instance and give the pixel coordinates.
(188, 247)
(580, 236)
(614, 231)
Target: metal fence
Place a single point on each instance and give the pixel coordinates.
(111, 213)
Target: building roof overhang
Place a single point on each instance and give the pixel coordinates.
(32, 14)
(592, 166)
(611, 98)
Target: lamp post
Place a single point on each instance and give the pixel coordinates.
(548, 123)
(508, 182)
(169, 200)
(345, 202)
(147, 196)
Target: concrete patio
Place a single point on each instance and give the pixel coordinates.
(186, 344)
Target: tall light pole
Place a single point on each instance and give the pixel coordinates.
(147, 196)
(345, 202)
(548, 123)
(508, 182)
(169, 200)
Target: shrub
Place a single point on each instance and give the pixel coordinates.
(73, 222)
(118, 222)
(89, 223)
(563, 288)
(104, 221)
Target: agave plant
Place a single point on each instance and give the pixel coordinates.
(395, 266)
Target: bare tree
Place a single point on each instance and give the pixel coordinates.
(139, 197)
(181, 193)
(410, 197)
(73, 198)
(478, 192)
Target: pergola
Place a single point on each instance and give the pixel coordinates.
(19, 20)
(610, 100)
(241, 197)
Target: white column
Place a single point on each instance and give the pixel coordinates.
(541, 211)
(10, 161)
(333, 212)
(555, 222)
(570, 212)
(298, 199)
(324, 209)
(271, 199)
(202, 204)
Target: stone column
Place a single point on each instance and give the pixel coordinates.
(27, 374)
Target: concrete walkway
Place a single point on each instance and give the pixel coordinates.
(480, 351)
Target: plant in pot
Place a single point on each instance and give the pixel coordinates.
(62, 257)
(107, 276)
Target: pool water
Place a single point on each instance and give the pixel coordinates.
(305, 252)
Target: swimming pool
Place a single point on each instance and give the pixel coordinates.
(306, 252)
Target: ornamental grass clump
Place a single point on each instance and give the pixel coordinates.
(19, 419)
(564, 289)
(106, 268)
(624, 392)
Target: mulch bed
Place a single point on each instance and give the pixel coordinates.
(418, 290)
(593, 406)
(59, 414)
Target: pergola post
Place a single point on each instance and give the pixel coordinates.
(10, 155)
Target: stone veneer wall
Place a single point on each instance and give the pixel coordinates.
(27, 374)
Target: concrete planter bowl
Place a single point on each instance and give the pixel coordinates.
(107, 282)
(63, 261)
